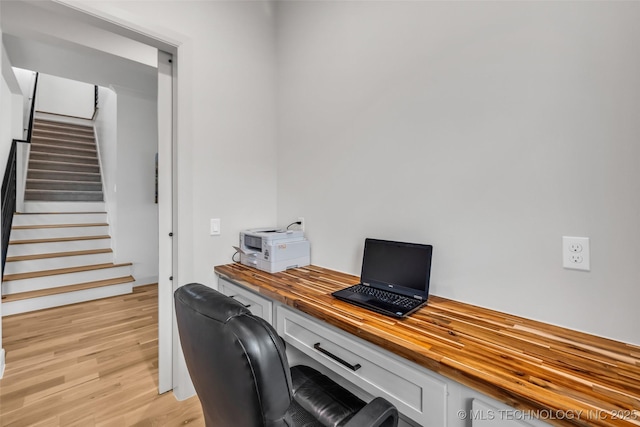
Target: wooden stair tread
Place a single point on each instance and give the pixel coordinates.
(36, 147)
(42, 190)
(64, 126)
(64, 172)
(60, 181)
(53, 162)
(33, 227)
(65, 289)
(62, 156)
(38, 138)
(58, 254)
(65, 131)
(49, 122)
(57, 213)
(58, 239)
(80, 140)
(44, 273)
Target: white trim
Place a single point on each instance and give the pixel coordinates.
(105, 194)
(60, 207)
(119, 22)
(65, 279)
(166, 335)
(57, 300)
(1, 362)
(126, 24)
(22, 157)
(148, 280)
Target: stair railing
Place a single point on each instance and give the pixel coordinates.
(13, 182)
(8, 199)
(95, 102)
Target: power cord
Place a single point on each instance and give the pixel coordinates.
(233, 257)
(293, 223)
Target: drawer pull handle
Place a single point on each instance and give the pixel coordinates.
(245, 305)
(336, 358)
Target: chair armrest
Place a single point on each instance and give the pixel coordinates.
(378, 412)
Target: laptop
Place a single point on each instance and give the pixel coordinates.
(394, 279)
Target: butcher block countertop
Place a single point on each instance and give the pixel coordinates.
(526, 364)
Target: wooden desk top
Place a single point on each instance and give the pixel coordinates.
(526, 364)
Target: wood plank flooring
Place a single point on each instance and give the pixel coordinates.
(89, 364)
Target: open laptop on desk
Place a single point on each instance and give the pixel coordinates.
(394, 279)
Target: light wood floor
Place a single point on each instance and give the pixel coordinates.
(89, 364)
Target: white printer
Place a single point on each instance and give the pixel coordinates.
(274, 250)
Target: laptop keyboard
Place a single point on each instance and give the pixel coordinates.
(388, 297)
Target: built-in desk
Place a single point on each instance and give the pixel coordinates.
(566, 377)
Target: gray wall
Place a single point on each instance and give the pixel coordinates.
(488, 129)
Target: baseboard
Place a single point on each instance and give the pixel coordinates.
(1, 362)
(149, 280)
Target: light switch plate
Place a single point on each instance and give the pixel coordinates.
(215, 227)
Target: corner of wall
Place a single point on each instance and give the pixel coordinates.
(1, 362)
(148, 280)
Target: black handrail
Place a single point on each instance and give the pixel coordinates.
(95, 100)
(8, 200)
(9, 182)
(33, 109)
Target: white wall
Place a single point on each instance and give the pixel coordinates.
(226, 154)
(65, 97)
(3, 143)
(487, 129)
(6, 124)
(226, 123)
(226, 112)
(127, 130)
(136, 235)
(10, 129)
(106, 125)
(26, 80)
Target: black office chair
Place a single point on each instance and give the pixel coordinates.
(240, 371)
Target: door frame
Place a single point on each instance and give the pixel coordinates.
(112, 19)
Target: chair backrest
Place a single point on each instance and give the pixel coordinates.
(237, 362)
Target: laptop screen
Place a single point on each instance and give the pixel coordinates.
(403, 267)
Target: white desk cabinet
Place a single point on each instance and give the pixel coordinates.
(418, 395)
(259, 306)
(423, 397)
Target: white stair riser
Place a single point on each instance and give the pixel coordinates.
(49, 233)
(18, 267)
(65, 218)
(51, 247)
(48, 282)
(44, 207)
(32, 304)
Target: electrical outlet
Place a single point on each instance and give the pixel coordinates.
(576, 253)
(575, 247)
(301, 219)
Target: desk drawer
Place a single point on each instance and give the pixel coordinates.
(416, 394)
(258, 305)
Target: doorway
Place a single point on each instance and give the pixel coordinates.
(167, 113)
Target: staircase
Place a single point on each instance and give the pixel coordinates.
(63, 164)
(60, 249)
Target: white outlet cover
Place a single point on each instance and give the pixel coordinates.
(576, 253)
